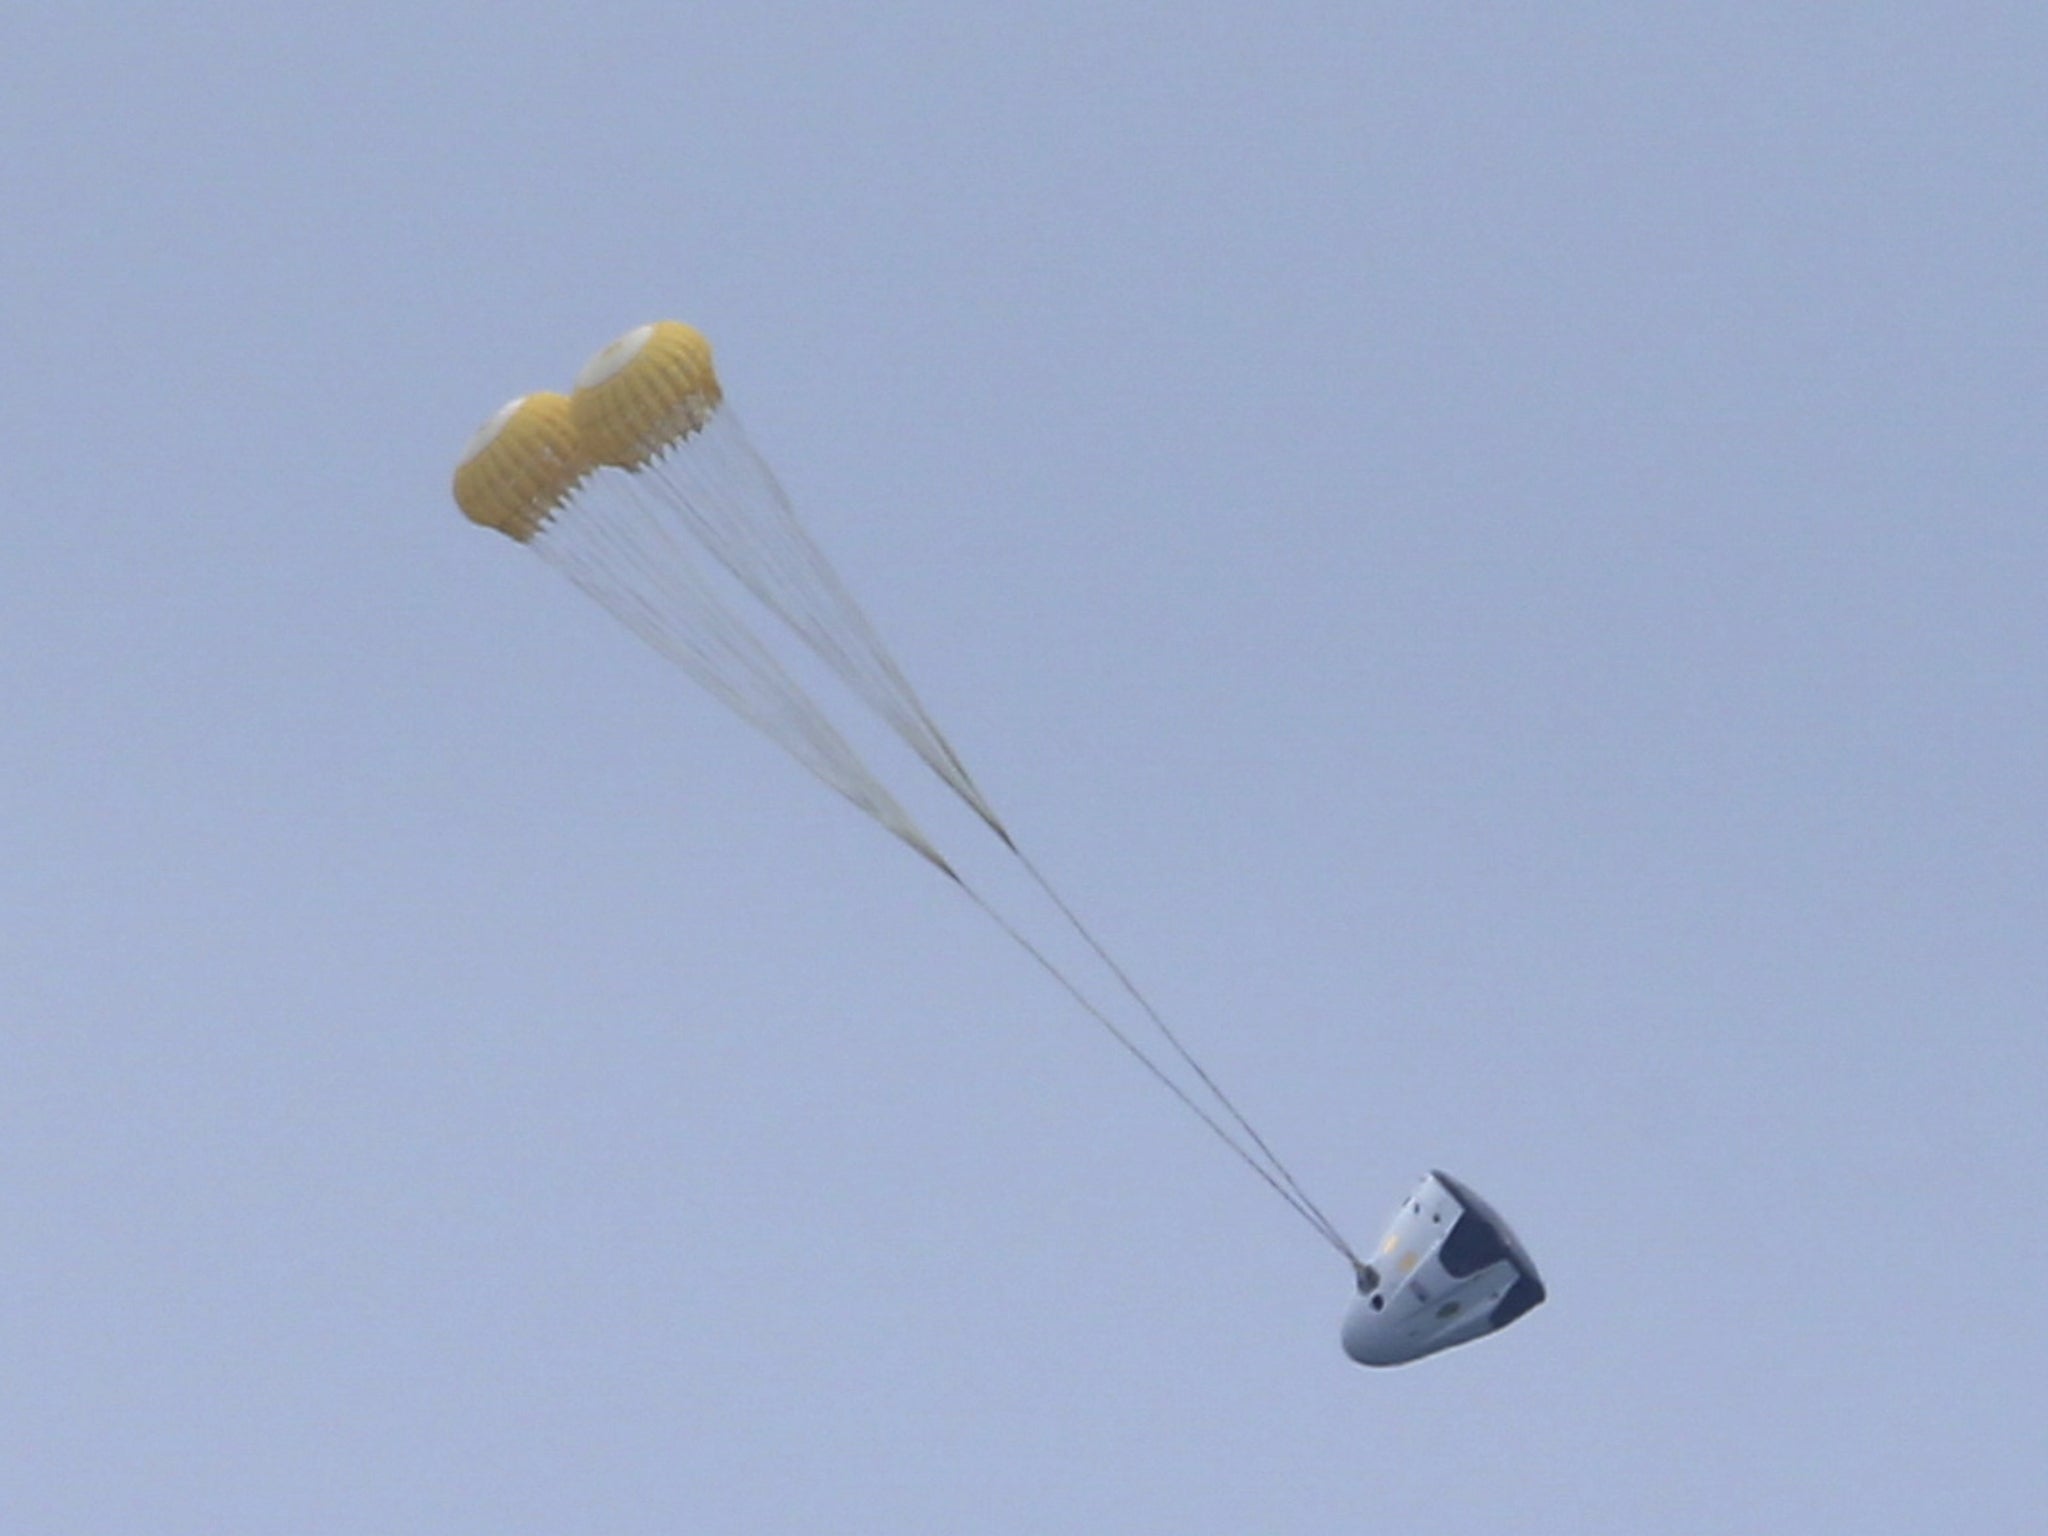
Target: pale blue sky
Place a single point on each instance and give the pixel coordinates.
(1498, 552)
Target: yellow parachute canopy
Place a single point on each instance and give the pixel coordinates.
(522, 466)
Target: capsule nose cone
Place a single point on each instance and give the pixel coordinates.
(1369, 1341)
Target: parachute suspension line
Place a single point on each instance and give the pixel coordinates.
(1307, 1212)
(777, 560)
(705, 480)
(621, 553)
(1297, 1196)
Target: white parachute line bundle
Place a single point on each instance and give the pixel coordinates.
(762, 542)
(1276, 1177)
(619, 548)
(722, 490)
(623, 553)
(1280, 1177)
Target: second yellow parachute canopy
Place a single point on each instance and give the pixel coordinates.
(644, 394)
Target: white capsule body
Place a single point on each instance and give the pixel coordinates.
(1448, 1271)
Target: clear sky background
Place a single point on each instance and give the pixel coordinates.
(1496, 551)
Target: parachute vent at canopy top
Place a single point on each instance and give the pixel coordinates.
(645, 393)
(521, 467)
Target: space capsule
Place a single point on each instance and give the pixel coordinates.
(1448, 1271)
(641, 486)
